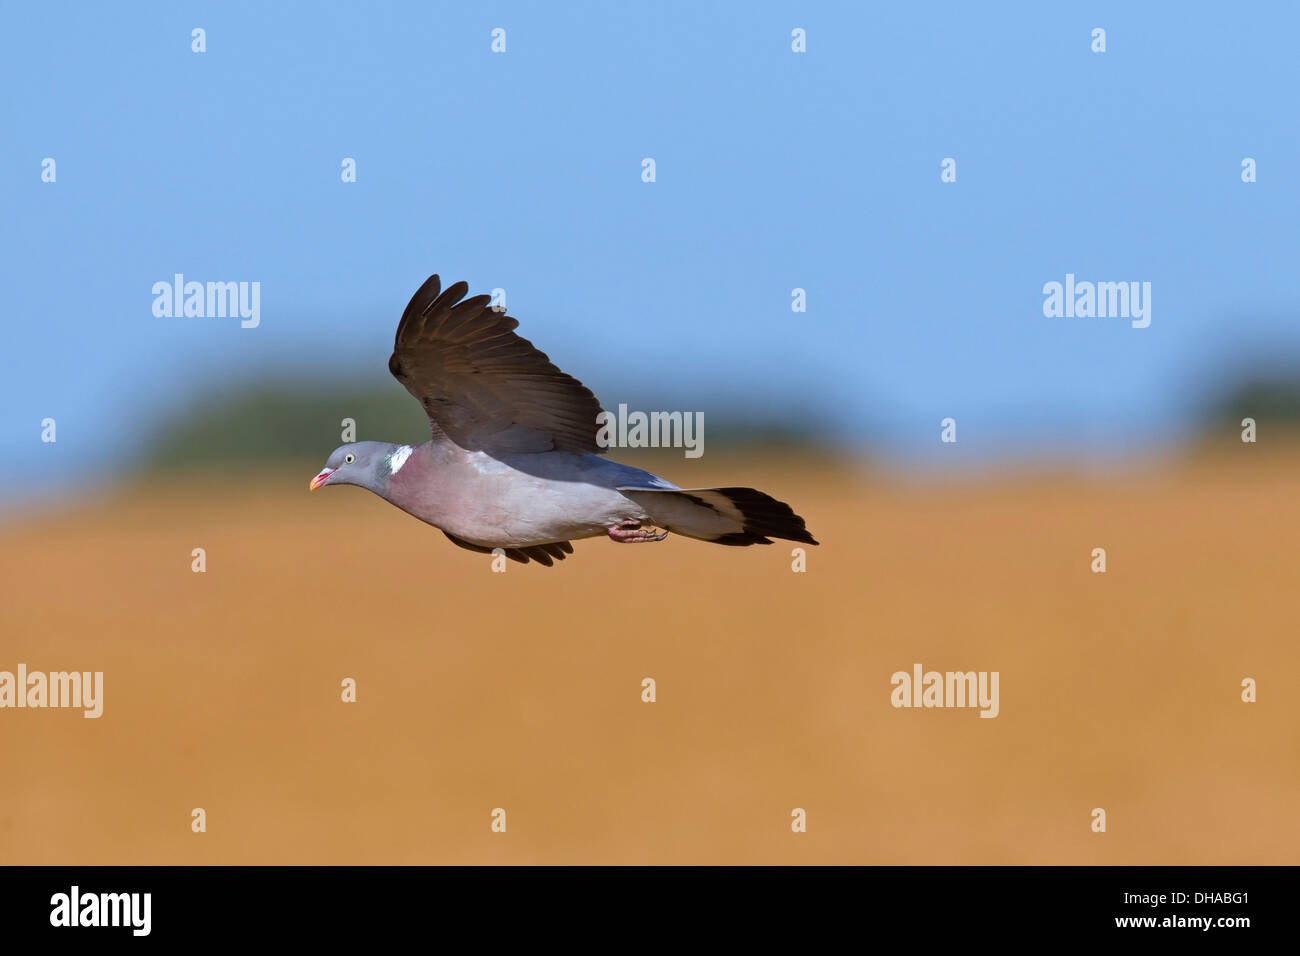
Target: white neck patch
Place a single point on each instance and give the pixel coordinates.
(398, 458)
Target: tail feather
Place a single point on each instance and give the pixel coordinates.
(730, 516)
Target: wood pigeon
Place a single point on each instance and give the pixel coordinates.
(514, 462)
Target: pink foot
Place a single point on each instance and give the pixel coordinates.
(631, 532)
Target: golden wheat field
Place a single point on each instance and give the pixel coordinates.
(522, 691)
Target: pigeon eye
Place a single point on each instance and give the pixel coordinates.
(349, 458)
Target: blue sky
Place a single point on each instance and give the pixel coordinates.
(775, 170)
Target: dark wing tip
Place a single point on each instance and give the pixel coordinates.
(428, 292)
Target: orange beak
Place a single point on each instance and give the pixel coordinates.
(320, 479)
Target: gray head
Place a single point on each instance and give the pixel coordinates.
(366, 463)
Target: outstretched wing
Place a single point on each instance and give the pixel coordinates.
(483, 386)
(546, 554)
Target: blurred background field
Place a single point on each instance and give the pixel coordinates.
(778, 174)
(522, 690)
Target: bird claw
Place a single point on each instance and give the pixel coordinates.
(631, 532)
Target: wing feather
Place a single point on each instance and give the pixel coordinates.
(481, 384)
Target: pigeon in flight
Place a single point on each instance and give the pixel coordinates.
(514, 461)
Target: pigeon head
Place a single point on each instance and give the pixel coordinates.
(366, 463)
